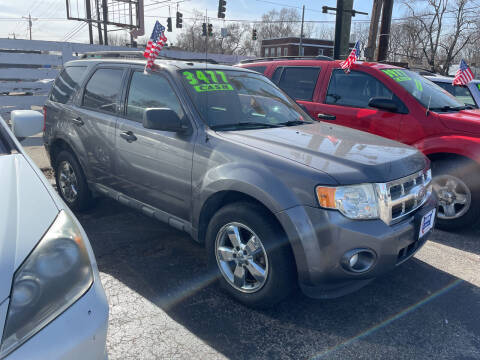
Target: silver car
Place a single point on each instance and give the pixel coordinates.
(52, 303)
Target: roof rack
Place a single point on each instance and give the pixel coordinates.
(319, 57)
(422, 71)
(134, 55)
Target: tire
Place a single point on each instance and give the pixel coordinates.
(454, 183)
(66, 162)
(278, 264)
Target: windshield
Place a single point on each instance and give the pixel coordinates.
(233, 100)
(427, 93)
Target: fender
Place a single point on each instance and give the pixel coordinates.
(250, 180)
(466, 146)
(76, 146)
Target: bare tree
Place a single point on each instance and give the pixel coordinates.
(443, 29)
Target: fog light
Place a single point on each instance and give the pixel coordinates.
(358, 260)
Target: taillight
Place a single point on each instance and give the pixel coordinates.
(44, 118)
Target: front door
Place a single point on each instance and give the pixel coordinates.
(154, 166)
(346, 103)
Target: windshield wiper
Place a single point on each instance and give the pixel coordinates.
(294, 122)
(243, 124)
(449, 108)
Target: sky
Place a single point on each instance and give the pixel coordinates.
(51, 23)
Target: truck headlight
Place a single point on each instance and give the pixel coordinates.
(54, 276)
(353, 201)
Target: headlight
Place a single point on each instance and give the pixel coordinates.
(55, 275)
(355, 201)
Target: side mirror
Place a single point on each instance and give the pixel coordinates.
(163, 119)
(383, 104)
(26, 123)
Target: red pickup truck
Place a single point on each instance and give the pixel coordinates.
(398, 104)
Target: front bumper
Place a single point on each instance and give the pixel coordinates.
(78, 333)
(320, 238)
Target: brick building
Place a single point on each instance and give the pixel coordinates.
(289, 47)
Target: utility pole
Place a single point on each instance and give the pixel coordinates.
(89, 17)
(372, 35)
(100, 38)
(343, 22)
(300, 47)
(105, 19)
(29, 18)
(385, 30)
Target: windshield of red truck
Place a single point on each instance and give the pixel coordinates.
(427, 93)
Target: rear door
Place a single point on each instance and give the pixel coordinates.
(94, 119)
(154, 166)
(345, 102)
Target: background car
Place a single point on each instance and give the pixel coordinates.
(468, 94)
(398, 104)
(52, 303)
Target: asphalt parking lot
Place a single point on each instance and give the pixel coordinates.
(164, 305)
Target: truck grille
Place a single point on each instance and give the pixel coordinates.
(401, 197)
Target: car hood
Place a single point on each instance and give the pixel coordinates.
(467, 121)
(26, 212)
(350, 156)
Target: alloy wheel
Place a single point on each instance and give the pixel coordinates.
(454, 196)
(68, 182)
(241, 257)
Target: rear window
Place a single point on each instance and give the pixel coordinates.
(67, 83)
(103, 89)
(298, 82)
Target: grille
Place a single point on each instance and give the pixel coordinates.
(401, 197)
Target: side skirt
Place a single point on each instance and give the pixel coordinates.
(151, 211)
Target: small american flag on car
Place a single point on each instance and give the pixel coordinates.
(352, 58)
(464, 75)
(155, 44)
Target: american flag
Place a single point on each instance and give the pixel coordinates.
(352, 58)
(155, 44)
(464, 75)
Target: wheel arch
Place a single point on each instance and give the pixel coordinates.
(222, 198)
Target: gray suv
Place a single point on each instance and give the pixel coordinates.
(224, 155)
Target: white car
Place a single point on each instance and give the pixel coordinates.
(52, 303)
(468, 94)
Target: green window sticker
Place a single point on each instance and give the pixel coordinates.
(419, 85)
(208, 80)
(478, 86)
(397, 75)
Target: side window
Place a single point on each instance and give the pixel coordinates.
(150, 91)
(299, 82)
(259, 69)
(103, 89)
(276, 75)
(354, 89)
(67, 83)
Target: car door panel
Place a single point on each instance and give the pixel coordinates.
(155, 167)
(94, 118)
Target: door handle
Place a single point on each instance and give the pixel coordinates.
(129, 136)
(326, 116)
(78, 121)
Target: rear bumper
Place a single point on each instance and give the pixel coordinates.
(78, 333)
(320, 238)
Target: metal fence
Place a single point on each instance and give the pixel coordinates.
(29, 67)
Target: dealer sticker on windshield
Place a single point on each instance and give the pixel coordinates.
(208, 80)
(427, 223)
